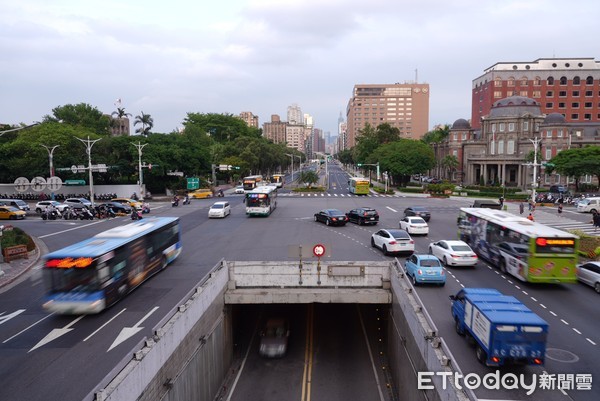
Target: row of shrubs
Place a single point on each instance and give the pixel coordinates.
(16, 236)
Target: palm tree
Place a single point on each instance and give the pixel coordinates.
(147, 123)
(450, 163)
(120, 113)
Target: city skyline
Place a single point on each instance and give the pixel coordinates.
(263, 56)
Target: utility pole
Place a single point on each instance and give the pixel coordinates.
(139, 147)
(292, 157)
(88, 148)
(50, 160)
(535, 165)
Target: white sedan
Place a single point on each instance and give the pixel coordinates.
(453, 253)
(414, 225)
(393, 241)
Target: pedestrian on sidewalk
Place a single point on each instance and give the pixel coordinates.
(560, 207)
(501, 201)
(521, 208)
(530, 204)
(596, 220)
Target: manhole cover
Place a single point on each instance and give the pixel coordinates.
(561, 355)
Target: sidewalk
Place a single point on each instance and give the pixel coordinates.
(11, 272)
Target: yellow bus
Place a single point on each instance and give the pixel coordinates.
(358, 186)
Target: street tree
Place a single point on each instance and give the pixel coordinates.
(449, 163)
(404, 158)
(309, 177)
(81, 115)
(147, 123)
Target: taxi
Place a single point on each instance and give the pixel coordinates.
(127, 201)
(201, 193)
(11, 213)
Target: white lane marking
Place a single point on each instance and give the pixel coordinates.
(576, 331)
(27, 328)
(564, 321)
(543, 306)
(127, 332)
(590, 341)
(101, 327)
(393, 210)
(533, 299)
(553, 314)
(55, 333)
(71, 229)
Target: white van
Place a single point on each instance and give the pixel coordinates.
(588, 205)
(18, 203)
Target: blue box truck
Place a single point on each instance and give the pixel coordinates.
(504, 331)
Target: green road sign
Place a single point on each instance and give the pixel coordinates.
(193, 183)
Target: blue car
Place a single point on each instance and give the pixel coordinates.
(425, 269)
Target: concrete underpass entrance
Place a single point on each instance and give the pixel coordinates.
(353, 325)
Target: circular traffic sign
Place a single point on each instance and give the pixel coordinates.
(38, 184)
(319, 250)
(21, 184)
(54, 183)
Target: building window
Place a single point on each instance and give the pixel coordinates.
(549, 133)
(455, 137)
(576, 81)
(587, 116)
(559, 133)
(498, 83)
(510, 82)
(548, 153)
(464, 136)
(510, 147)
(537, 81)
(524, 93)
(589, 93)
(549, 93)
(588, 105)
(549, 105)
(525, 125)
(589, 81)
(500, 147)
(550, 80)
(497, 94)
(455, 153)
(501, 127)
(575, 105)
(537, 94)
(511, 127)
(561, 105)
(492, 148)
(576, 94)
(563, 80)
(524, 81)
(493, 127)
(562, 94)
(575, 116)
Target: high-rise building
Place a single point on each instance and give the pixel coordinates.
(404, 106)
(295, 136)
(568, 86)
(294, 114)
(249, 118)
(275, 130)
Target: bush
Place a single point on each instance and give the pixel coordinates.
(380, 190)
(16, 236)
(309, 189)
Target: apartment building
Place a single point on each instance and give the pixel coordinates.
(249, 118)
(275, 130)
(402, 105)
(567, 86)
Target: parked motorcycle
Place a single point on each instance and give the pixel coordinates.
(85, 214)
(51, 214)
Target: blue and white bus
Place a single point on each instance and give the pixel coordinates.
(88, 276)
(261, 201)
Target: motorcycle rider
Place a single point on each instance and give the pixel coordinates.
(175, 202)
(220, 193)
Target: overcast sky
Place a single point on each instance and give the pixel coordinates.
(168, 58)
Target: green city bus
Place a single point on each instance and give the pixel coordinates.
(527, 250)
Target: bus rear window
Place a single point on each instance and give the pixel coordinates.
(555, 245)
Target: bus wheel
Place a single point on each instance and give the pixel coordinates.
(503, 266)
(481, 356)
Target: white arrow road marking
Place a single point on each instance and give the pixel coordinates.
(101, 327)
(127, 332)
(55, 333)
(4, 319)
(393, 210)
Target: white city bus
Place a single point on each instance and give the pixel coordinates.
(261, 201)
(252, 181)
(278, 179)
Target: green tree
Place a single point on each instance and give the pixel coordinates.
(120, 113)
(366, 143)
(386, 133)
(437, 135)
(577, 162)
(147, 123)
(81, 115)
(404, 158)
(309, 177)
(345, 156)
(449, 163)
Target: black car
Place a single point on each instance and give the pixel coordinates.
(332, 217)
(116, 207)
(363, 215)
(417, 211)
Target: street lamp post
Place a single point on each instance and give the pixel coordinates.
(18, 128)
(535, 165)
(139, 147)
(50, 161)
(88, 147)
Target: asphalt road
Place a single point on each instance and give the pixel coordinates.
(48, 357)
